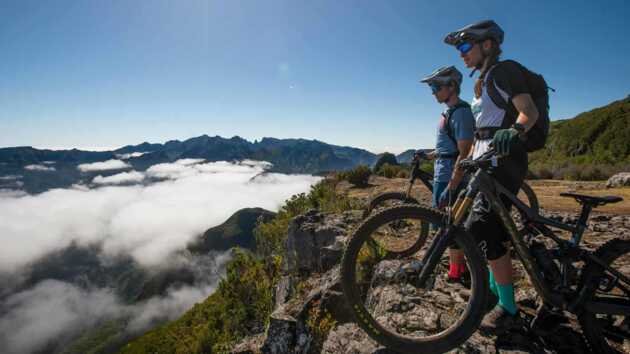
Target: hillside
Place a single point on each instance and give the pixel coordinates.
(35, 170)
(593, 145)
(237, 231)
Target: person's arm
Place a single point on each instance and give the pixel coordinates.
(510, 80)
(464, 127)
(527, 111)
(465, 148)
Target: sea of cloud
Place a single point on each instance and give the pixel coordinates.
(150, 222)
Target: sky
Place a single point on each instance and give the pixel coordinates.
(103, 74)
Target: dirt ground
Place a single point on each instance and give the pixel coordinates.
(548, 192)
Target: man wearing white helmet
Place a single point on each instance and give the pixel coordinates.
(454, 139)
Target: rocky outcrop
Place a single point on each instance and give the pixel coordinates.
(315, 244)
(315, 241)
(312, 287)
(621, 179)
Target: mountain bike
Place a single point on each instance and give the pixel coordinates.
(407, 245)
(406, 305)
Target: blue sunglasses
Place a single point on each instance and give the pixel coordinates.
(465, 47)
(435, 87)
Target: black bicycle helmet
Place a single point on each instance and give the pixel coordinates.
(444, 76)
(476, 32)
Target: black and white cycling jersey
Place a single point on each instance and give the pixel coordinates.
(509, 82)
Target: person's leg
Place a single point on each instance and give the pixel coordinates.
(502, 272)
(457, 265)
(438, 188)
(490, 234)
(456, 255)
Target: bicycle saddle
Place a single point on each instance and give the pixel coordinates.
(592, 200)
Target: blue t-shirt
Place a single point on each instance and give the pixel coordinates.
(462, 127)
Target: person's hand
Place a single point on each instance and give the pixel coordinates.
(445, 198)
(504, 139)
(431, 155)
(419, 155)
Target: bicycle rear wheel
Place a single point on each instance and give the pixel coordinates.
(530, 197)
(607, 333)
(397, 242)
(390, 304)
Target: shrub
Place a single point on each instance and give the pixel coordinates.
(388, 171)
(240, 306)
(359, 176)
(386, 158)
(403, 173)
(319, 324)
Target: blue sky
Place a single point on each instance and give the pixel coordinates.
(109, 73)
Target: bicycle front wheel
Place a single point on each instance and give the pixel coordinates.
(389, 303)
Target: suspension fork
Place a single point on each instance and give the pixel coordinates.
(442, 240)
(434, 254)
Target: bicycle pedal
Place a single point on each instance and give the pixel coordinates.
(547, 322)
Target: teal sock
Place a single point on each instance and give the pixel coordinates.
(493, 283)
(506, 297)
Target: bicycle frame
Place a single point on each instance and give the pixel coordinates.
(425, 177)
(482, 182)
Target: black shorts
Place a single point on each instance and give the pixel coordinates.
(482, 222)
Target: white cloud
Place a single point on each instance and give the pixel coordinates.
(11, 193)
(50, 310)
(41, 168)
(130, 155)
(147, 222)
(55, 311)
(151, 223)
(10, 177)
(187, 162)
(120, 178)
(103, 166)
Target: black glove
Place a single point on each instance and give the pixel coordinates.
(419, 154)
(504, 139)
(445, 198)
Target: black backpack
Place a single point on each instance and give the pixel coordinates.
(448, 115)
(538, 89)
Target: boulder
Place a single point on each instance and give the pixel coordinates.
(621, 179)
(315, 241)
(249, 345)
(280, 336)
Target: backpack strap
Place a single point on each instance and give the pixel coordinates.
(496, 97)
(448, 114)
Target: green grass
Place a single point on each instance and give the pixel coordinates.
(591, 146)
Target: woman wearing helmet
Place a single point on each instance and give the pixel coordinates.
(479, 45)
(455, 136)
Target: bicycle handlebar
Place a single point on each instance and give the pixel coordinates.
(487, 160)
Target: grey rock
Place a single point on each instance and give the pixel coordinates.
(621, 179)
(315, 241)
(350, 339)
(283, 290)
(280, 336)
(249, 345)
